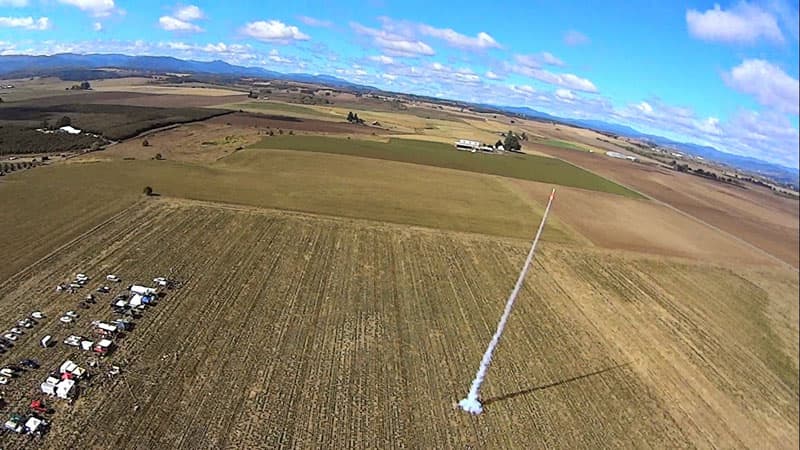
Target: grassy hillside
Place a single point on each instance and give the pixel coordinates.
(526, 167)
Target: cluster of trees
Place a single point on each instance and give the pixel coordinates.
(8, 167)
(702, 173)
(84, 86)
(512, 141)
(353, 118)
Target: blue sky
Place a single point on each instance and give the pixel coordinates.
(721, 74)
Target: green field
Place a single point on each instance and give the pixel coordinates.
(564, 144)
(34, 213)
(525, 167)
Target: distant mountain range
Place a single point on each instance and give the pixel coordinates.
(782, 174)
(12, 66)
(25, 65)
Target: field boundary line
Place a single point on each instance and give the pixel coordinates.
(67, 244)
(702, 222)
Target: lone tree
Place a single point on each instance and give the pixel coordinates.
(63, 122)
(145, 143)
(148, 191)
(350, 116)
(512, 142)
(85, 85)
(159, 157)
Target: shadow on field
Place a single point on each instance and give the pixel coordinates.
(554, 384)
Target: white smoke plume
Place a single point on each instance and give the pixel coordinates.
(472, 403)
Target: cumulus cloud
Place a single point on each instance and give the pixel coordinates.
(273, 31)
(565, 94)
(28, 23)
(492, 76)
(392, 43)
(382, 59)
(769, 84)
(97, 8)
(481, 41)
(744, 23)
(312, 22)
(181, 20)
(97, 26)
(574, 37)
(170, 23)
(189, 13)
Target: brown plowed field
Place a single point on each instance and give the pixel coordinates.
(296, 331)
(618, 223)
(759, 217)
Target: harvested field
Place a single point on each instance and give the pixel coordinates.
(759, 217)
(286, 123)
(611, 222)
(526, 167)
(293, 331)
(48, 206)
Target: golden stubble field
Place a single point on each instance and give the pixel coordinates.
(301, 331)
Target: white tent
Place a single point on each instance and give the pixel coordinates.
(142, 290)
(136, 300)
(86, 345)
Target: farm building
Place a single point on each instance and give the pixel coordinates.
(472, 146)
(620, 156)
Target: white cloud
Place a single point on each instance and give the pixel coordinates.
(382, 59)
(392, 43)
(565, 94)
(524, 89)
(644, 107)
(537, 60)
(182, 19)
(189, 13)
(97, 26)
(169, 23)
(492, 76)
(14, 3)
(574, 37)
(481, 41)
(98, 8)
(28, 23)
(273, 31)
(769, 84)
(275, 57)
(548, 58)
(744, 23)
(529, 66)
(312, 22)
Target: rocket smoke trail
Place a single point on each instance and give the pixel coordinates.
(472, 403)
